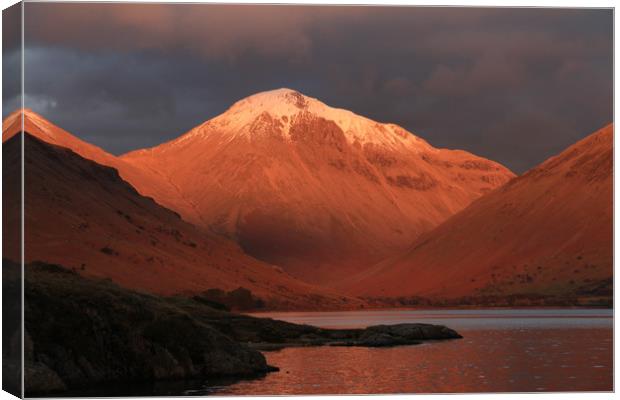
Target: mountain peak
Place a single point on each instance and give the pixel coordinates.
(277, 101)
(26, 112)
(43, 129)
(283, 94)
(33, 122)
(286, 107)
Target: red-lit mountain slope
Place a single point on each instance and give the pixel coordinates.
(321, 192)
(548, 232)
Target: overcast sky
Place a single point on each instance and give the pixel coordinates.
(513, 85)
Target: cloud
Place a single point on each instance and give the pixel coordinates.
(487, 80)
(213, 31)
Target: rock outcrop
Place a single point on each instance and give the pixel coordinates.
(81, 331)
(99, 332)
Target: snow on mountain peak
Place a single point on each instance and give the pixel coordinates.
(277, 99)
(280, 103)
(285, 105)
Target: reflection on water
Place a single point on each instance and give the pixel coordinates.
(456, 319)
(484, 361)
(502, 351)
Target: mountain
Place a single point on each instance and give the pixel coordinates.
(82, 215)
(321, 192)
(548, 232)
(146, 182)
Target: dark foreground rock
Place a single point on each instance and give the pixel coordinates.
(81, 332)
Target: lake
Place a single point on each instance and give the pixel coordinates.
(502, 351)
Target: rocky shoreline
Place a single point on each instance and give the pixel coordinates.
(102, 333)
(272, 335)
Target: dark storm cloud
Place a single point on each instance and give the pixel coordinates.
(11, 62)
(514, 85)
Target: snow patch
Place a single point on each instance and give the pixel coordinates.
(285, 105)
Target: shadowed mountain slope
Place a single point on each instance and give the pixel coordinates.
(146, 182)
(84, 216)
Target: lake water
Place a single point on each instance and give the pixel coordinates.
(502, 351)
